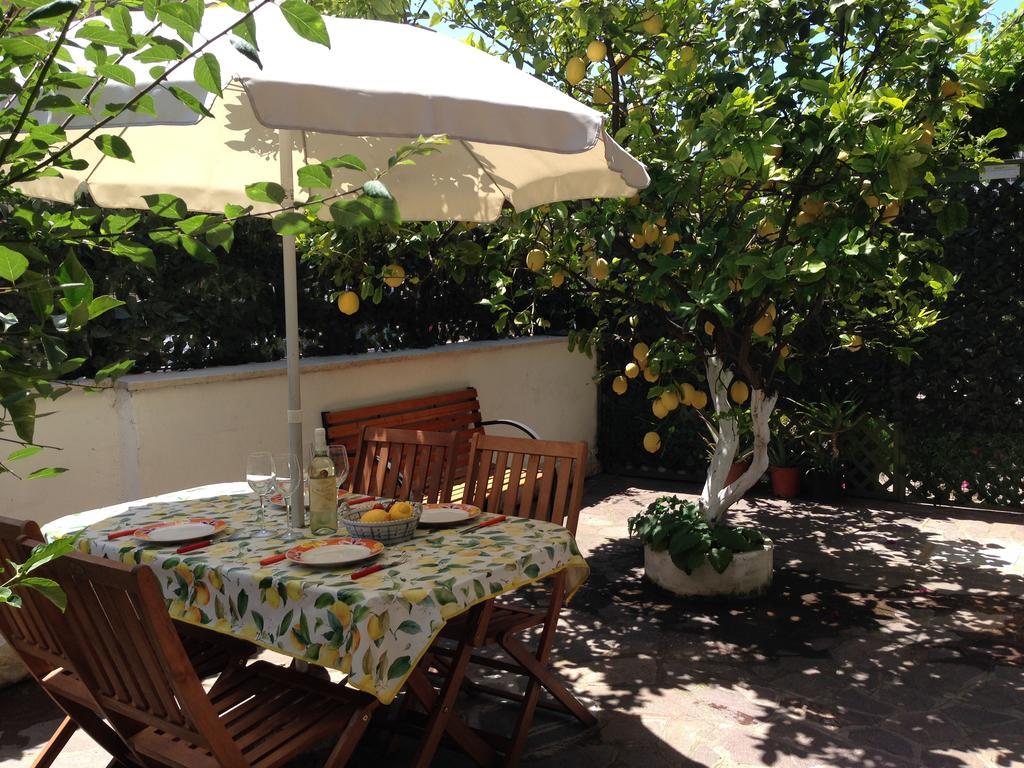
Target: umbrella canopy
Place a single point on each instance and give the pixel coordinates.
(512, 138)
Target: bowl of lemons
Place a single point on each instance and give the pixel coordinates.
(387, 521)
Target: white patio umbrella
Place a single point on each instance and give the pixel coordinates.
(513, 139)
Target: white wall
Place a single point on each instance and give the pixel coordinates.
(154, 433)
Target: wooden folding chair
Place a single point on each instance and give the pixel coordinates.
(28, 631)
(540, 480)
(405, 463)
(122, 644)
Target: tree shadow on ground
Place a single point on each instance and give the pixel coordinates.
(879, 643)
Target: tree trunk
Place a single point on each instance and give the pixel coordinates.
(717, 497)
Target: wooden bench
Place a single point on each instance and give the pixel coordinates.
(457, 411)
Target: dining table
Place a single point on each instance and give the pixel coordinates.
(375, 629)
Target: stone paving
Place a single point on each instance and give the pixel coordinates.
(892, 637)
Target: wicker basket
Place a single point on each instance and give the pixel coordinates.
(387, 532)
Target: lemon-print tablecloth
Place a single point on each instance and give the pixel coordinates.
(374, 629)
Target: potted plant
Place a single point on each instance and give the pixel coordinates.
(685, 554)
(785, 454)
(820, 425)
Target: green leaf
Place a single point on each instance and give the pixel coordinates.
(24, 453)
(410, 627)
(137, 252)
(51, 10)
(207, 73)
(114, 146)
(315, 177)
(285, 623)
(720, 557)
(189, 100)
(12, 264)
(265, 192)
(102, 304)
(114, 370)
(376, 188)
(248, 50)
(184, 18)
(399, 667)
(351, 162)
(324, 601)
(118, 72)
(291, 223)
(23, 415)
(306, 21)
(46, 587)
(166, 206)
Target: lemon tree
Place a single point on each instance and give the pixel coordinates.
(784, 141)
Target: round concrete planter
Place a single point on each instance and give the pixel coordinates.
(748, 575)
(11, 668)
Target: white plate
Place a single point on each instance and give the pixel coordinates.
(186, 531)
(334, 552)
(447, 514)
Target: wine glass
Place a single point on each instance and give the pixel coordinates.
(260, 474)
(287, 466)
(339, 455)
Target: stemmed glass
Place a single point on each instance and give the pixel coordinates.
(339, 455)
(287, 466)
(260, 474)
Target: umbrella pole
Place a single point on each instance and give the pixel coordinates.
(291, 324)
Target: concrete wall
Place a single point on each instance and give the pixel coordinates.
(155, 433)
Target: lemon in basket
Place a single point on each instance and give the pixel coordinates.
(400, 510)
(375, 515)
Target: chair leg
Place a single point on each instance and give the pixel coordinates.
(56, 743)
(548, 679)
(100, 732)
(349, 738)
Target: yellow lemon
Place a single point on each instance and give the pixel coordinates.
(772, 311)
(348, 303)
(687, 54)
(192, 614)
(650, 375)
(768, 229)
(784, 352)
(221, 625)
(709, 328)
(739, 392)
(891, 211)
(856, 343)
(535, 260)
(927, 136)
(374, 516)
(632, 370)
(575, 70)
(669, 243)
(652, 442)
(415, 596)
(599, 269)
(640, 352)
(249, 632)
(176, 609)
(148, 556)
(763, 326)
(272, 598)
(394, 275)
(374, 628)
(688, 393)
(814, 207)
(185, 573)
(346, 664)
(215, 579)
(658, 409)
(651, 233)
(653, 24)
(804, 217)
(294, 590)
(342, 613)
(596, 51)
(950, 89)
(624, 65)
(202, 595)
(699, 399)
(620, 385)
(602, 95)
(400, 510)
(448, 610)
(843, 156)
(357, 638)
(557, 279)
(637, 240)
(670, 399)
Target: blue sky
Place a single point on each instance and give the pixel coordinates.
(1004, 6)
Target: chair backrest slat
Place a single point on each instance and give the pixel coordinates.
(122, 643)
(26, 628)
(405, 464)
(538, 479)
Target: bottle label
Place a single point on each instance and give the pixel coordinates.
(323, 505)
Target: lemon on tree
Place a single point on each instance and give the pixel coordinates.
(658, 409)
(632, 370)
(652, 442)
(653, 24)
(641, 352)
(348, 302)
(670, 399)
(599, 269)
(557, 279)
(602, 95)
(739, 392)
(856, 343)
(536, 259)
(620, 385)
(576, 70)
(394, 275)
(597, 51)
(699, 400)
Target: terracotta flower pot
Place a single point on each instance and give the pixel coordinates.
(736, 471)
(786, 482)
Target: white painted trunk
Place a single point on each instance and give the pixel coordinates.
(717, 497)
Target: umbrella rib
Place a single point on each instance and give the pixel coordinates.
(483, 168)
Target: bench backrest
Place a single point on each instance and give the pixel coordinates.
(457, 411)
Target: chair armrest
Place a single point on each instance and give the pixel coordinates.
(510, 423)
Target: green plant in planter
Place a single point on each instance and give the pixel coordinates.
(820, 426)
(676, 525)
(786, 449)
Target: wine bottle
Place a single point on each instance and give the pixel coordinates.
(323, 492)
